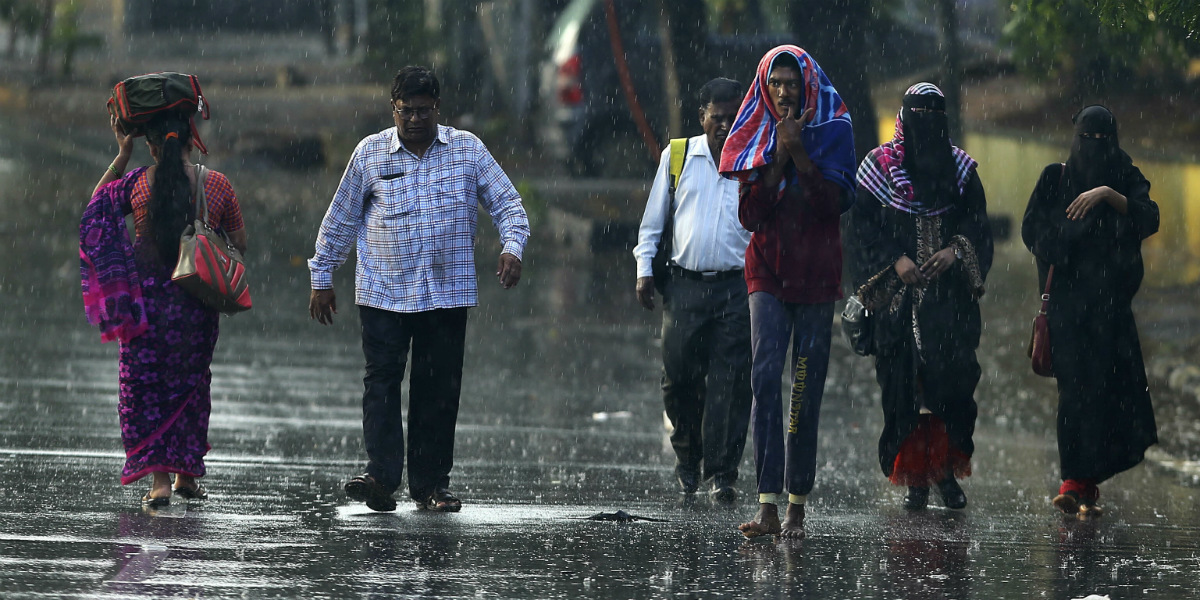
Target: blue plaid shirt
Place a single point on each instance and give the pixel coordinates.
(414, 220)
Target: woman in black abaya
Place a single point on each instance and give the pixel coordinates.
(1087, 219)
(924, 248)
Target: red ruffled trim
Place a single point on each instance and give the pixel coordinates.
(926, 456)
(1086, 489)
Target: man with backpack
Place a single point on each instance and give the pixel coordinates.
(692, 248)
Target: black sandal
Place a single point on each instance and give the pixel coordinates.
(441, 500)
(364, 488)
(149, 502)
(192, 494)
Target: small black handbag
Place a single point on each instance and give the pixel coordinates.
(857, 327)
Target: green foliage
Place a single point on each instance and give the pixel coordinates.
(1098, 48)
(26, 15)
(1181, 15)
(396, 36)
(67, 37)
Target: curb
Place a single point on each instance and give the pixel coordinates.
(1178, 374)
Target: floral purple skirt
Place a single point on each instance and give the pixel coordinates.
(164, 397)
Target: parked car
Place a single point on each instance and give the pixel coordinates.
(589, 124)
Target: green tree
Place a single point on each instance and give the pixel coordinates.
(23, 17)
(1181, 15)
(67, 37)
(1093, 49)
(397, 35)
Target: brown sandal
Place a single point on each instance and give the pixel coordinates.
(441, 500)
(1068, 502)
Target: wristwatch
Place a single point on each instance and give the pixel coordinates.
(958, 253)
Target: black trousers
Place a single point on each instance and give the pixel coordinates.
(706, 375)
(437, 339)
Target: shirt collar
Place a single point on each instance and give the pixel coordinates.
(698, 146)
(443, 137)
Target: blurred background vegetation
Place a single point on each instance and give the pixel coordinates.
(490, 53)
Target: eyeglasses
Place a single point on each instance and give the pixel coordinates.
(408, 113)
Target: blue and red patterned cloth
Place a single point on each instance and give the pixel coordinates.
(828, 136)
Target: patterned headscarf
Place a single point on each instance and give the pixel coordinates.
(828, 137)
(883, 174)
(112, 291)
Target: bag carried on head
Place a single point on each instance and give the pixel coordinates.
(138, 100)
(1039, 339)
(209, 267)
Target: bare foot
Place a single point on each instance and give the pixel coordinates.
(766, 522)
(793, 522)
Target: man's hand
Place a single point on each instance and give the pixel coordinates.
(788, 135)
(509, 270)
(908, 271)
(938, 263)
(322, 305)
(645, 292)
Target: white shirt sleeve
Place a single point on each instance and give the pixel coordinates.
(655, 216)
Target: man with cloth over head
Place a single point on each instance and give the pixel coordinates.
(792, 146)
(408, 203)
(706, 318)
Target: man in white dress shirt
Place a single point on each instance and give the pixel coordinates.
(706, 315)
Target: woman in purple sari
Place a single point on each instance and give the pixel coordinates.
(167, 336)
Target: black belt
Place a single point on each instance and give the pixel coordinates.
(706, 276)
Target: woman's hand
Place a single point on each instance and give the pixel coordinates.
(124, 152)
(1085, 202)
(124, 143)
(938, 263)
(908, 271)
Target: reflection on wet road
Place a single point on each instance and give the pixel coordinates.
(561, 419)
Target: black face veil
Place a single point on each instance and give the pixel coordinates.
(1096, 157)
(927, 155)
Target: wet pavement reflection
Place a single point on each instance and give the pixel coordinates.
(561, 418)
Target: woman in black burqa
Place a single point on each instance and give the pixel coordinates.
(924, 248)
(1087, 218)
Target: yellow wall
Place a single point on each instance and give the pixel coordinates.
(1009, 168)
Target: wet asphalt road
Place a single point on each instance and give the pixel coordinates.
(560, 419)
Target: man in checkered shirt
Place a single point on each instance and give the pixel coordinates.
(408, 204)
